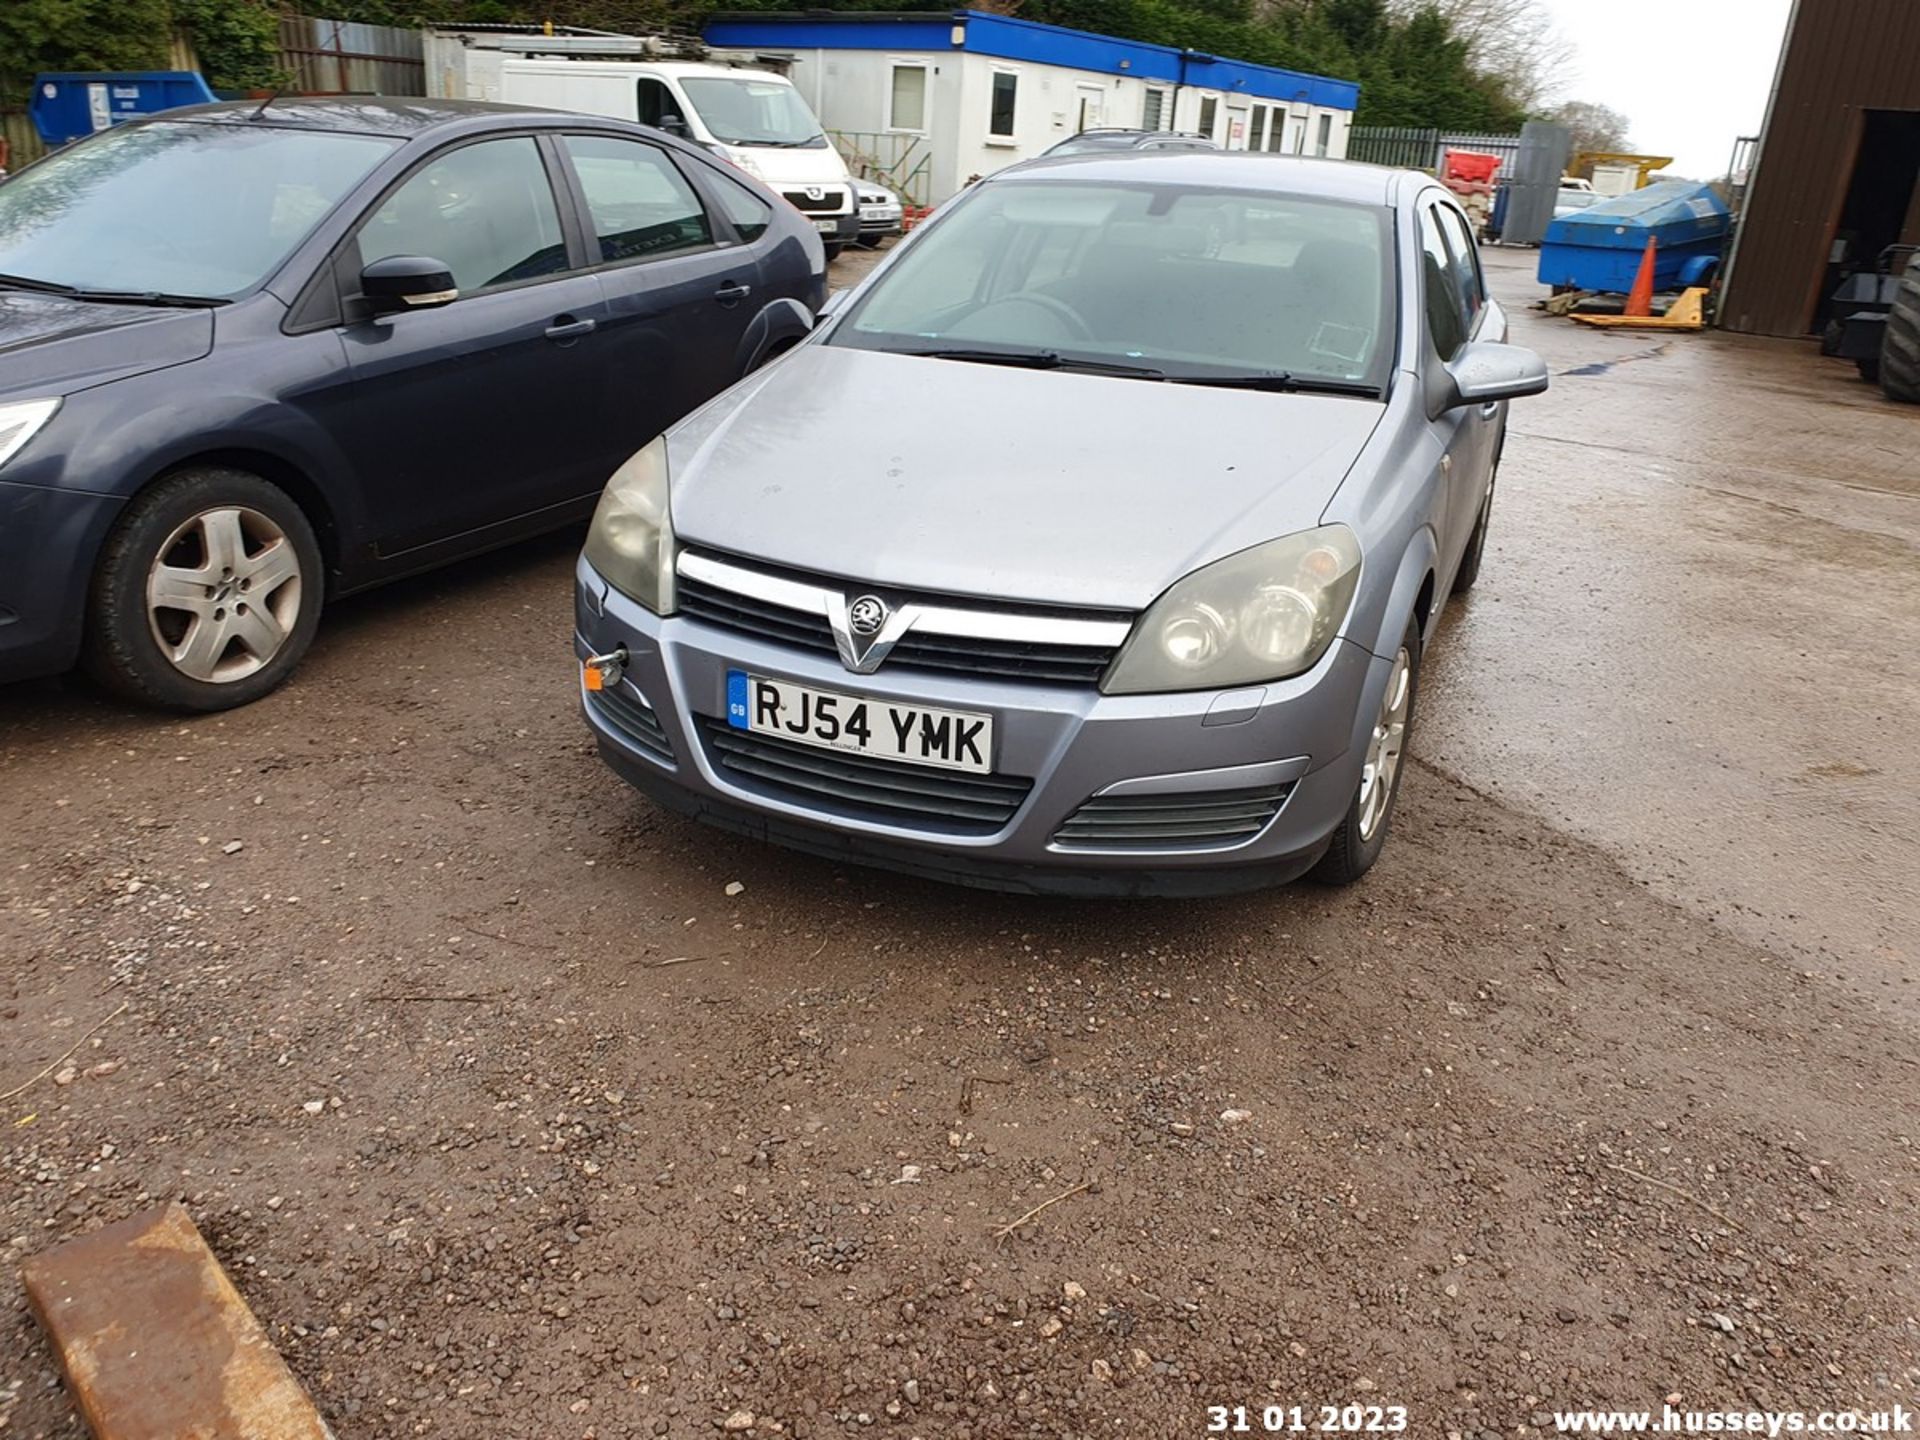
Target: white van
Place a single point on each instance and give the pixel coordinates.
(754, 118)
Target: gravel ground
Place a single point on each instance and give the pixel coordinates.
(517, 1107)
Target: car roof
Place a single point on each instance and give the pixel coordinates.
(401, 116)
(1348, 180)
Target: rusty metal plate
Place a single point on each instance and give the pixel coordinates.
(155, 1341)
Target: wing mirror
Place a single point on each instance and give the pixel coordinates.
(832, 303)
(403, 282)
(1484, 372)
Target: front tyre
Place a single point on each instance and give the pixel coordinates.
(1469, 571)
(1363, 832)
(207, 593)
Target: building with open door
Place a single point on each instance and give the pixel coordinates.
(1837, 176)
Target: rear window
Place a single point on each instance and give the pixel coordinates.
(1192, 282)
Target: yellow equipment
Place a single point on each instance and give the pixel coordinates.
(1646, 164)
(1686, 313)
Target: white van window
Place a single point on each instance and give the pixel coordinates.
(656, 104)
(745, 111)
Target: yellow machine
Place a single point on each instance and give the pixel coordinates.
(1644, 164)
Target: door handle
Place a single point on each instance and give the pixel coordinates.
(732, 292)
(565, 327)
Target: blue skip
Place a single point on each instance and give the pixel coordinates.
(69, 104)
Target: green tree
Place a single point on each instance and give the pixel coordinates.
(236, 40)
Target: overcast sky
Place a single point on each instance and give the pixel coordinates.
(1689, 74)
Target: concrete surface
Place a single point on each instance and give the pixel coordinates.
(510, 1116)
(1703, 635)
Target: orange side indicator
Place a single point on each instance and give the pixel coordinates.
(591, 675)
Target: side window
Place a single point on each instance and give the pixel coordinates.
(749, 213)
(1466, 262)
(1321, 145)
(1209, 114)
(1006, 86)
(656, 104)
(638, 201)
(908, 106)
(1445, 320)
(486, 211)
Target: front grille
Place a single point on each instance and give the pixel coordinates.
(759, 618)
(1081, 665)
(634, 720)
(857, 787)
(829, 203)
(1197, 820)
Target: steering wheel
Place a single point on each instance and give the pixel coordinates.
(1064, 314)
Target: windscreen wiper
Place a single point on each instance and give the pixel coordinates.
(106, 297)
(144, 297)
(1280, 380)
(42, 287)
(1042, 360)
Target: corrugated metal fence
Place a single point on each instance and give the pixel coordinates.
(1415, 149)
(336, 57)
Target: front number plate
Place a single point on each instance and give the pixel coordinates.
(910, 734)
(826, 227)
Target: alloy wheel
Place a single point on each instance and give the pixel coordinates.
(223, 594)
(1385, 745)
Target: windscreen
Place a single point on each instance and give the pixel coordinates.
(745, 111)
(183, 209)
(1191, 282)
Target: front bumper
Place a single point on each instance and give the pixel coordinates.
(1072, 741)
(879, 221)
(48, 540)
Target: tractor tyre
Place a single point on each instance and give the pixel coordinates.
(1900, 350)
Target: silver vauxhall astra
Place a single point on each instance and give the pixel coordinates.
(1089, 545)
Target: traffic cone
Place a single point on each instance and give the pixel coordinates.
(1640, 298)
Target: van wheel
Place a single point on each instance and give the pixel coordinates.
(834, 248)
(207, 593)
(1363, 833)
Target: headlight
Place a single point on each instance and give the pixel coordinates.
(631, 539)
(1263, 614)
(20, 422)
(744, 159)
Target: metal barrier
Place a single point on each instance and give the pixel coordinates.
(903, 163)
(1414, 149)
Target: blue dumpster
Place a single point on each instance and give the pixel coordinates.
(1599, 248)
(67, 105)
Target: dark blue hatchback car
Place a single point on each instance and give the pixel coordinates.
(253, 356)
